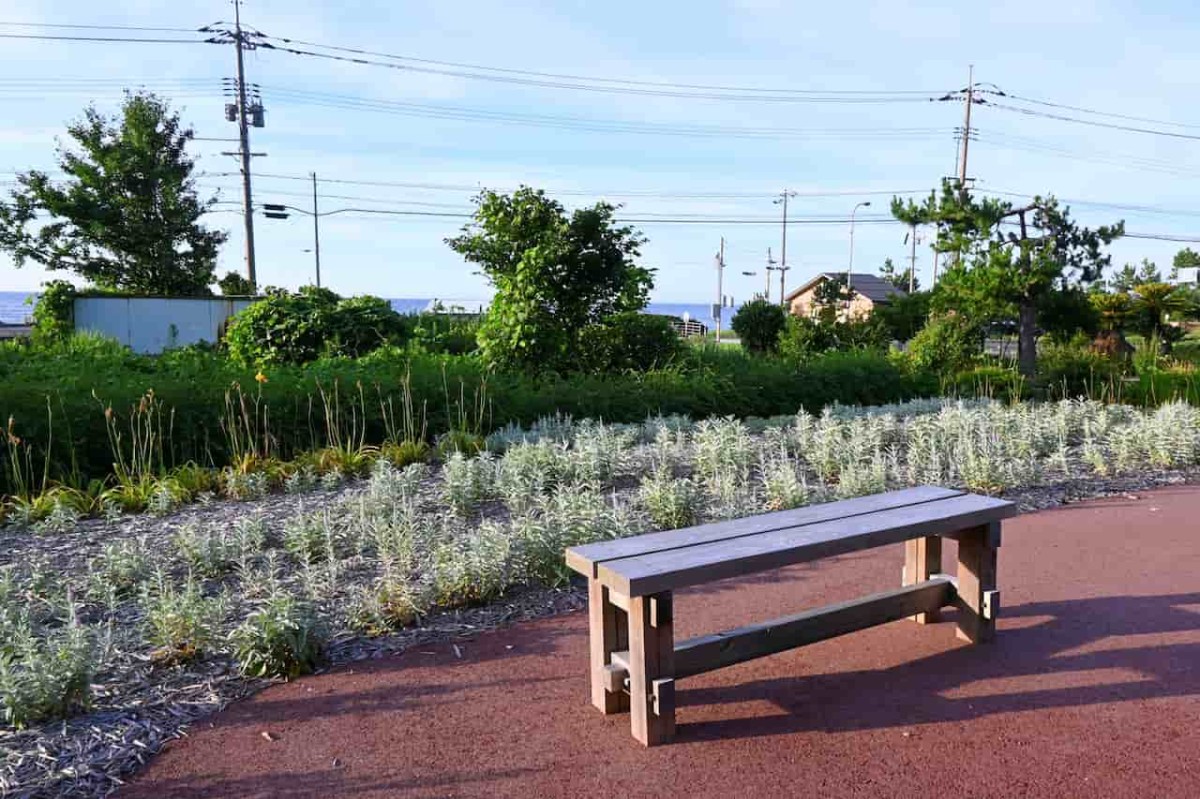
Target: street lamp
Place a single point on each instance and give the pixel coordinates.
(850, 268)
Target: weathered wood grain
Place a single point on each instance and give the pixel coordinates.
(584, 559)
(677, 568)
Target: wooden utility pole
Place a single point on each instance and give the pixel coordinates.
(720, 309)
(912, 261)
(316, 231)
(962, 162)
(783, 267)
(244, 139)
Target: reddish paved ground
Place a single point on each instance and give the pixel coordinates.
(1092, 689)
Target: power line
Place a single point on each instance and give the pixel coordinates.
(1008, 141)
(591, 124)
(49, 37)
(1094, 112)
(1092, 122)
(614, 81)
(94, 27)
(766, 194)
(605, 89)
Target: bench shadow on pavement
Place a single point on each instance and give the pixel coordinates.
(1060, 654)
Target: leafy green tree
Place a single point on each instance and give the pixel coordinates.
(998, 272)
(949, 342)
(127, 216)
(758, 324)
(1124, 280)
(1187, 258)
(898, 279)
(830, 296)
(1155, 306)
(1131, 276)
(1113, 310)
(905, 314)
(235, 285)
(554, 273)
(1067, 313)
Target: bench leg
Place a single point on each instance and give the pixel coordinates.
(922, 560)
(608, 633)
(652, 668)
(978, 598)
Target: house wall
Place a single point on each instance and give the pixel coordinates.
(860, 306)
(154, 324)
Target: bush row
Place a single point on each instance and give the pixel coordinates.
(189, 405)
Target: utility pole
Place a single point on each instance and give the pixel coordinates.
(962, 162)
(720, 306)
(244, 139)
(316, 230)
(912, 260)
(783, 267)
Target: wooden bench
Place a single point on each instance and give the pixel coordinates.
(634, 658)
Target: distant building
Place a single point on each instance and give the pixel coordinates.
(870, 291)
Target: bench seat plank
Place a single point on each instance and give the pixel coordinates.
(586, 559)
(675, 568)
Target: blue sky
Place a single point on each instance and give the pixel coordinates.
(350, 122)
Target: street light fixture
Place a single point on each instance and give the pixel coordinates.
(850, 268)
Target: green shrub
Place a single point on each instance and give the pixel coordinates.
(359, 325)
(181, 624)
(948, 343)
(1074, 370)
(235, 285)
(671, 502)
(905, 315)
(63, 430)
(45, 677)
(996, 382)
(283, 638)
(285, 328)
(210, 553)
(444, 334)
(628, 342)
(54, 313)
(122, 567)
(758, 324)
(390, 604)
(804, 338)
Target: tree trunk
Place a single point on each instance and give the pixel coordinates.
(1027, 340)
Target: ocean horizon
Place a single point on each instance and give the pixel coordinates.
(14, 309)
